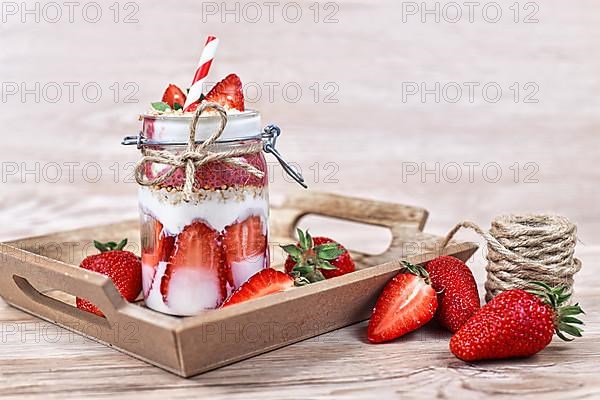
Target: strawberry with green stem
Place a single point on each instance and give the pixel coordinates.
(406, 303)
(123, 267)
(564, 319)
(316, 259)
(517, 323)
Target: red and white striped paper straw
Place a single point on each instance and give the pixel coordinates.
(208, 54)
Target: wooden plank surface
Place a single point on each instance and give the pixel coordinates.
(40, 359)
(365, 140)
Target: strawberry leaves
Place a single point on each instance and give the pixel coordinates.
(417, 270)
(310, 260)
(306, 241)
(292, 250)
(555, 298)
(110, 246)
(328, 251)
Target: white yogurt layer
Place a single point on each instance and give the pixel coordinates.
(243, 270)
(218, 209)
(153, 298)
(191, 290)
(194, 289)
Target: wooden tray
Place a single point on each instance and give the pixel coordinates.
(41, 276)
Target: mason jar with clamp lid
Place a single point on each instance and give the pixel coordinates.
(204, 205)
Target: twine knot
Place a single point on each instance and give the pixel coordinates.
(526, 248)
(196, 155)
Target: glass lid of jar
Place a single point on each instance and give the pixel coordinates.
(175, 129)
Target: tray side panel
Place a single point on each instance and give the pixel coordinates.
(188, 346)
(149, 336)
(271, 323)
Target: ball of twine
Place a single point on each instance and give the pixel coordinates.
(526, 248)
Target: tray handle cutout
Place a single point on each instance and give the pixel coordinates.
(30, 279)
(402, 220)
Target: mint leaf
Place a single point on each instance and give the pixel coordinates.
(177, 106)
(160, 106)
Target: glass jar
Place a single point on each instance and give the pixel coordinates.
(197, 249)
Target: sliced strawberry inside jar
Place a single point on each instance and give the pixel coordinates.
(245, 250)
(192, 280)
(155, 251)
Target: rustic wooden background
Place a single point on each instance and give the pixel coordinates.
(365, 144)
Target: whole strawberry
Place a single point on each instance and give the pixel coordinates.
(407, 302)
(316, 259)
(516, 323)
(122, 267)
(458, 298)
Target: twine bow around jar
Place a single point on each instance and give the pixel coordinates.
(196, 155)
(526, 248)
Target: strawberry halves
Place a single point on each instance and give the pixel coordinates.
(263, 283)
(407, 302)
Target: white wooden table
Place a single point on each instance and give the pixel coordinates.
(374, 143)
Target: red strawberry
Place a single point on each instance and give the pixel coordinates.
(153, 253)
(192, 107)
(407, 302)
(265, 282)
(173, 95)
(227, 93)
(318, 258)
(245, 249)
(458, 298)
(122, 267)
(516, 323)
(193, 273)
